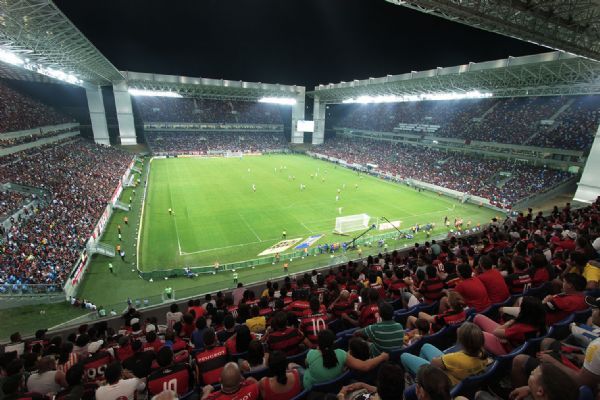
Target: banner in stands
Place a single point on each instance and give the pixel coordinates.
(280, 246)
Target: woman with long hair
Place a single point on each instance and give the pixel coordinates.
(502, 339)
(470, 360)
(327, 362)
(281, 383)
(238, 343)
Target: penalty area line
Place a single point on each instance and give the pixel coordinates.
(249, 227)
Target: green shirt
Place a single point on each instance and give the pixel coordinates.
(385, 336)
(317, 373)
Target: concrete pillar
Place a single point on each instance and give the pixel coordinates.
(588, 188)
(124, 113)
(319, 118)
(97, 114)
(298, 115)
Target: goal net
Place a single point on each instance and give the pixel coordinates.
(351, 223)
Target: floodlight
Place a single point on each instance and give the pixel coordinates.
(420, 97)
(10, 57)
(285, 101)
(152, 93)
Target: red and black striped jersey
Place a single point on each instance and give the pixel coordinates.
(95, 365)
(369, 314)
(311, 323)
(298, 307)
(178, 378)
(287, 341)
(210, 363)
(518, 282)
(431, 289)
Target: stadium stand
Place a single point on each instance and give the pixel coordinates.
(163, 109)
(20, 112)
(560, 251)
(450, 170)
(81, 177)
(569, 122)
(202, 143)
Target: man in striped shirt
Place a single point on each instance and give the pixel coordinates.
(387, 335)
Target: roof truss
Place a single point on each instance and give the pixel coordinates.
(39, 31)
(546, 74)
(569, 25)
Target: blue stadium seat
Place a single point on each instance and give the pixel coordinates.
(337, 325)
(299, 359)
(585, 393)
(397, 304)
(539, 291)
(412, 349)
(430, 309)
(505, 361)
(561, 329)
(237, 356)
(302, 395)
(444, 338)
(493, 311)
(467, 387)
(410, 393)
(582, 316)
(345, 336)
(334, 385)
(258, 374)
(402, 315)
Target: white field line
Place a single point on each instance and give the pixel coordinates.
(307, 228)
(172, 206)
(249, 227)
(271, 239)
(139, 235)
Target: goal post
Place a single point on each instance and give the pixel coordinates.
(351, 223)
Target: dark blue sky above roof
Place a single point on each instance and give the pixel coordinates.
(304, 42)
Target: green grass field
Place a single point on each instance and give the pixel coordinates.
(218, 217)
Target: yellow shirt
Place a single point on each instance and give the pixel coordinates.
(591, 273)
(257, 324)
(460, 366)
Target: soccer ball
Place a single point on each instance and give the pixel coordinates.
(253, 267)
(166, 278)
(273, 263)
(42, 312)
(214, 273)
(151, 280)
(303, 257)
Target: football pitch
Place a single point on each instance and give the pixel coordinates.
(218, 217)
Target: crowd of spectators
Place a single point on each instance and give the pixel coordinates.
(575, 128)
(202, 143)
(10, 201)
(166, 109)
(510, 120)
(6, 142)
(472, 175)
(515, 285)
(80, 177)
(19, 112)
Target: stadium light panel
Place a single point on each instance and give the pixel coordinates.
(420, 97)
(152, 93)
(10, 57)
(284, 101)
(54, 73)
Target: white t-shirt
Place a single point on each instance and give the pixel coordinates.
(592, 357)
(173, 318)
(124, 389)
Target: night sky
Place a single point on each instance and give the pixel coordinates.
(303, 42)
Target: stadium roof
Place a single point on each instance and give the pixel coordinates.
(40, 32)
(210, 88)
(554, 73)
(569, 25)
